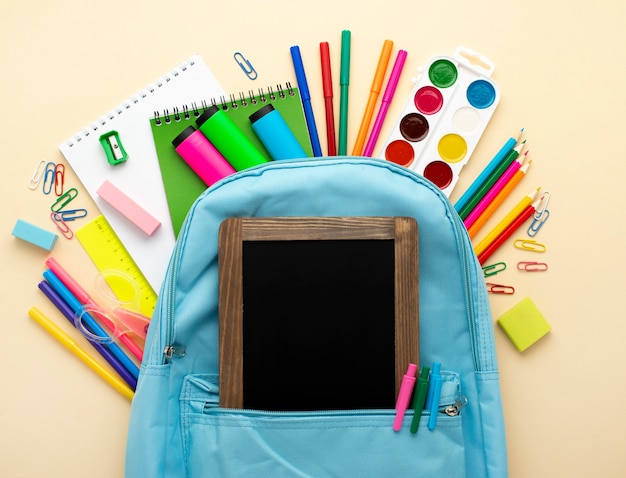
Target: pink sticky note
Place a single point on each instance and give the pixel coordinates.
(129, 208)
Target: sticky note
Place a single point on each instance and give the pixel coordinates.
(129, 208)
(34, 234)
(524, 324)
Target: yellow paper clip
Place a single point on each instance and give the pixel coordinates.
(37, 175)
(493, 269)
(529, 266)
(48, 177)
(245, 65)
(537, 223)
(57, 218)
(529, 245)
(64, 200)
(59, 179)
(499, 288)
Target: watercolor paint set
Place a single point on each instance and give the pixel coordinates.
(446, 114)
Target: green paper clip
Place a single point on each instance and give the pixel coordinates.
(493, 269)
(113, 148)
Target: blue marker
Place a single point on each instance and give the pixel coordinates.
(434, 391)
(298, 66)
(274, 133)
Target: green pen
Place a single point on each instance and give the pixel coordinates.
(419, 398)
(344, 82)
(228, 139)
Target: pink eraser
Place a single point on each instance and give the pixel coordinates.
(129, 208)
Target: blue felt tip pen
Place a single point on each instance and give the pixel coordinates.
(434, 391)
(305, 96)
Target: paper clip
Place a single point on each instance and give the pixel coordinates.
(64, 199)
(493, 269)
(529, 245)
(532, 266)
(72, 214)
(49, 176)
(543, 205)
(37, 175)
(59, 179)
(499, 288)
(57, 218)
(245, 65)
(537, 223)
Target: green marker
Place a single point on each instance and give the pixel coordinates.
(228, 139)
(344, 82)
(419, 398)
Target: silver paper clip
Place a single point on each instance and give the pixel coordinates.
(543, 205)
(499, 288)
(529, 266)
(37, 175)
(245, 65)
(529, 245)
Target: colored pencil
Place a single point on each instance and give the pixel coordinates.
(508, 231)
(498, 199)
(492, 179)
(377, 84)
(493, 164)
(70, 344)
(508, 219)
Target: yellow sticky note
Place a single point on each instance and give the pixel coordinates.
(524, 324)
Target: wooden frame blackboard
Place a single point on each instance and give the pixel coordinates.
(316, 312)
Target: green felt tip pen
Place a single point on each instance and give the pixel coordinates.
(344, 83)
(419, 398)
(228, 139)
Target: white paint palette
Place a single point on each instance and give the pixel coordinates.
(446, 114)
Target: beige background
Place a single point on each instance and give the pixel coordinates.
(561, 68)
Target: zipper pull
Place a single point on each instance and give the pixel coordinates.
(171, 351)
(454, 409)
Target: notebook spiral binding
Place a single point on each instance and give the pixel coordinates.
(180, 69)
(242, 100)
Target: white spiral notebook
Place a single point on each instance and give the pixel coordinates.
(139, 176)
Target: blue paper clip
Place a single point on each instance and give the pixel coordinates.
(537, 223)
(245, 65)
(493, 269)
(49, 177)
(71, 214)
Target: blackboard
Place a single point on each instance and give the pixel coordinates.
(316, 313)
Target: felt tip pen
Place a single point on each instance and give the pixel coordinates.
(327, 87)
(434, 392)
(305, 96)
(90, 322)
(404, 396)
(419, 398)
(71, 345)
(106, 354)
(390, 89)
(344, 84)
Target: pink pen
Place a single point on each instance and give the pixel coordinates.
(493, 192)
(404, 396)
(84, 298)
(390, 89)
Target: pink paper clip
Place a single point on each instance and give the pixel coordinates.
(499, 288)
(57, 218)
(530, 266)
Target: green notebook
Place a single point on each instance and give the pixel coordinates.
(182, 185)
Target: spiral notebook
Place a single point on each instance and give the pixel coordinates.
(182, 185)
(139, 176)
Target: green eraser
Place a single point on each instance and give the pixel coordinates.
(524, 324)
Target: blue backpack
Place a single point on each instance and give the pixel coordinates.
(176, 425)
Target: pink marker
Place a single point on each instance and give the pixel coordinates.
(390, 89)
(404, 397)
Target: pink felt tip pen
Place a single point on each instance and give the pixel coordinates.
(394, 77)
(404, 396)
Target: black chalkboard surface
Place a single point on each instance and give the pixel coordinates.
(316, 313)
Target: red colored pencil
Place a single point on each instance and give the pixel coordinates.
(508, 231)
